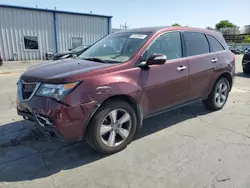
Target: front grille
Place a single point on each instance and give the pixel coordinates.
(27, 90)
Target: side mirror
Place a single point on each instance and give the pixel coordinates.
(70, 49)
(156, 59)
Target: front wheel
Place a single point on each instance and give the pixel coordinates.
(112, 128)
(218, 97)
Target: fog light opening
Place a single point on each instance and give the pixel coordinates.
(43, 121)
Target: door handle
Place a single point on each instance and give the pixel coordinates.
(181, 68)
(214, 60)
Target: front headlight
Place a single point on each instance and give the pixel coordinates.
(56, 91)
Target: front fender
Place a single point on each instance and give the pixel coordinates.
(103, 86)
(106, 92)
(97, 89)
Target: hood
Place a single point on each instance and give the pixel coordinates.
(61, 71)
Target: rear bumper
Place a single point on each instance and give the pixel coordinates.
(66, 122)
(246, 64)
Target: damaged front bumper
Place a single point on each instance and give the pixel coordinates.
(68, 123)
(43, 124)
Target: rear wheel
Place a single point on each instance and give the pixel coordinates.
(218, 97)
(112, 127)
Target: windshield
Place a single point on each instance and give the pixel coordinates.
(79, 48)
(118, 47)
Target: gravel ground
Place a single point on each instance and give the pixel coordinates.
(17, 66)
(188, 147)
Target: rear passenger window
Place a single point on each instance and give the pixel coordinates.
(196, 43)
(215, 46)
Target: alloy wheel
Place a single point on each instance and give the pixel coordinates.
(115, 127)
(221, 94)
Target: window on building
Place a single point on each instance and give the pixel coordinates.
(76, 41)
(31, 42)
(168, 44)
(196, 43)
(215, 46)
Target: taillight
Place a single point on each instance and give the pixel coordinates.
(234, 56)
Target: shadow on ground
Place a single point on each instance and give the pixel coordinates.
(26, 155)
(243, 75)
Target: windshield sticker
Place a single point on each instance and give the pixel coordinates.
(135, 36)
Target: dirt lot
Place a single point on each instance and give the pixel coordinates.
(189, 147)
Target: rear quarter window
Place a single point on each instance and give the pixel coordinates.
(196, 43)
(215, 45)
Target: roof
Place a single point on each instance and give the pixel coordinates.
(166, 28)
(143, 29)
(53, 11)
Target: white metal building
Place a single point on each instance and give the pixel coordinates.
(230, 30)
(29, 33)
(247, 29)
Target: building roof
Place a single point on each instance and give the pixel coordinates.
(52, 10)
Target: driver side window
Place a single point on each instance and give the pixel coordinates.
(168, 44)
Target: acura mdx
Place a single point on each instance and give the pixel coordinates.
(104, 94)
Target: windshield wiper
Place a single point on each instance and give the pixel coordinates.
(95, 59)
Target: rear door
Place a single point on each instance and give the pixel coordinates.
(202, 63)
(165, 85)
(217, 47)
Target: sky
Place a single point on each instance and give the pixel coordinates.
(144, 13)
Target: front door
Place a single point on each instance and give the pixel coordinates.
(168, 84)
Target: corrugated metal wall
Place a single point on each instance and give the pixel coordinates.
(17, 23)
(247, 29)
(89, 28)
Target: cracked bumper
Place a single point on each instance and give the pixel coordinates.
(44, 128)
(67, 122)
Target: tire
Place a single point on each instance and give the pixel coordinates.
(245, 70)
(215, 98)
(104, 143)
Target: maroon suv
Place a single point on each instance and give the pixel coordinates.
(127, 76)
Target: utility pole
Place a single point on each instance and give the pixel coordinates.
(125, 26)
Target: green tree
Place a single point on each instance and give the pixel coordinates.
(176, 24)
(223, 24)
(246, 39)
